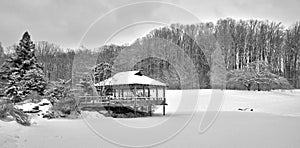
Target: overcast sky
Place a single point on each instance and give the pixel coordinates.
(71, 22)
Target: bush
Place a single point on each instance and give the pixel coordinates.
(58, 90)
(21, 117)
(235, 85)
(251, 79)
(66, 107)
(4, 110)
(62, 98)
(282, 83)
(7, 109)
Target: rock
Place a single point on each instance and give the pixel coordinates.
(49, 116)
(43, 104)
(32, 111)
(36, 108)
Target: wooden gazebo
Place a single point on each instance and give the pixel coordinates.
(132, 89)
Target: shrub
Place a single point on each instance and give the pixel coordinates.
(7, 109)
(256, 76)
(20, 117)
(4, 110)
(58, 90)
(62, 98)
(66, 107)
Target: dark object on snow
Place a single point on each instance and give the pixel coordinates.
(245, 109)
(32, 111)
(117, 111)
(44, 104)
(54, 114)
(36, 108)
(50, 115)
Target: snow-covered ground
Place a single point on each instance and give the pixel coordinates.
(274, 122)
(43, 106)
(279, 102)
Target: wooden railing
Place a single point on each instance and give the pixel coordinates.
(119, 101)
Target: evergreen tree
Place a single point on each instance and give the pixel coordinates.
(85, 84)
(59, 90)
(21, 73)
(1, 51)
(62, 98)
(2, 55)
(102, 72)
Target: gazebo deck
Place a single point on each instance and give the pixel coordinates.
(131, 103)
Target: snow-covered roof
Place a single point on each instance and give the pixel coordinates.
(130, 77)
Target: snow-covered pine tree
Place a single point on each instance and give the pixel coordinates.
(62, 98)
(85, 84)
(58, 90)
(21, 72)
(102, 72)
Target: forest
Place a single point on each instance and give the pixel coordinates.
(253, 53)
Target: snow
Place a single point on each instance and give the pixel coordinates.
(91, 115)
(129, 77)
(26, 106)
(274, 122)
(279, 102)
(29, 106)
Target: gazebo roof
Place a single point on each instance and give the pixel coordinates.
(130, 77)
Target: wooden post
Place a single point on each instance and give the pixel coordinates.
(144, 95)
(149, 103)
(135, 100)
(93, 100)
(109, 106)
(145, 100)
(150, 110)
(149, 92)
(164, 97)
(156, 93)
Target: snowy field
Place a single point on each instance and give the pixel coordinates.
(273, 122)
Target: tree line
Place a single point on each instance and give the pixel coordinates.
(241, 43)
